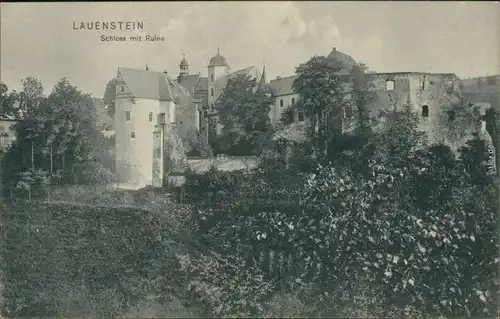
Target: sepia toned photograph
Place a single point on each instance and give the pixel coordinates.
(250, 159)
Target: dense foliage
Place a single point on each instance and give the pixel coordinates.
(69, 261)
(57, 137)
(244, 116)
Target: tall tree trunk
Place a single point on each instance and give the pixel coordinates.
(29, 194)
(32, 154)
(51, 161)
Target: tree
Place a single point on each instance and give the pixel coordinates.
(109, 97)
(7, 100)
(31, 94)
(244, 116)
(62, 135)
(322, 98)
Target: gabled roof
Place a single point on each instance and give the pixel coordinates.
(146, 84)
(282, 86)
(153, 85)
(202, 84)
(189, 82)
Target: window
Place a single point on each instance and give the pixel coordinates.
(212, 92)
(293, 101)
(211, 77)
(301, 117)
(151, 116)
(422, 84)
(158, 152)
(122, 88)
(281, 102)
(425, 111)
(389, 85)
(127, 116)
(161, 119)
(132, 135)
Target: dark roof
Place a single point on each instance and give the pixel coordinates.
(184, 63)
(282, 86)
(153, 85)
(263, 86)
(189, 82)
(245, 71)
(202, 84)
(218, 60)
(347, 63)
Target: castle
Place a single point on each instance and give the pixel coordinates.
(159, 119)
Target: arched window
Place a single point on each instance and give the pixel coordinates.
(425, 111)
(389, 85)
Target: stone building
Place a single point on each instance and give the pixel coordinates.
(160, 120)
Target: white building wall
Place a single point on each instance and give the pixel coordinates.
(277, 110)
(134, 156)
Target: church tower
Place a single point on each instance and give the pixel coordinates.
(217, 68)
(184, 69)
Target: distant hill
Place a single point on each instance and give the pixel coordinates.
(482, 89)
(104, 120)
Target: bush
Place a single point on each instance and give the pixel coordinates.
(61, 260)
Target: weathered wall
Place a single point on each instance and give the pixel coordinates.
(277, 110)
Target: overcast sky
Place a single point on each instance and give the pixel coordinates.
(37, 39)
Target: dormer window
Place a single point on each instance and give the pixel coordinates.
(127, 116)
(389, 85)
(122, 88)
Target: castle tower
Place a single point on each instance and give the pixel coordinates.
(217, 68)
(184, 69)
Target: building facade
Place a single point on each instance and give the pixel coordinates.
(158, 119)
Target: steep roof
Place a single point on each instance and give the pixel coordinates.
(202, 84)
(347, 63)
(282, 86)
(263, 86)
(189, 82)
(249, 71)
(153, 85)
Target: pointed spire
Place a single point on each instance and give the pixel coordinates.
(147, 69)
(263, 87)
(218, 51)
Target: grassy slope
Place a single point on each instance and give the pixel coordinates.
(63, 260)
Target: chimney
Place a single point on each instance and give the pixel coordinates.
(165, 71)
(334, 49)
